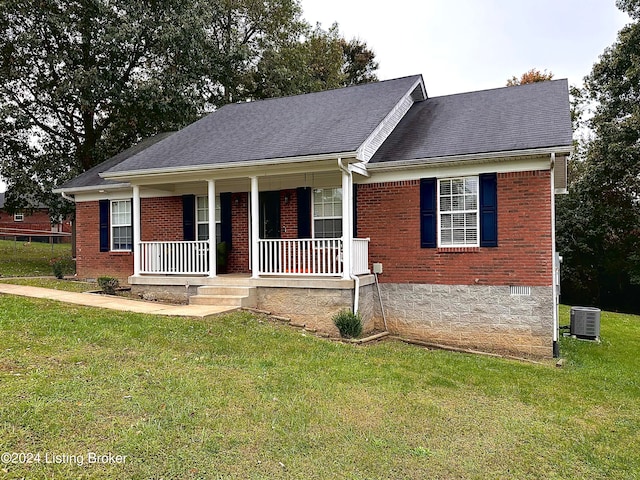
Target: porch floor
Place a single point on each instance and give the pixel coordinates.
(245, 279)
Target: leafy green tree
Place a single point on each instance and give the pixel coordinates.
(81, 80)
(599, 221)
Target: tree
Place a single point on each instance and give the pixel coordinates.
(532, 76)
(321, 61)
(84, 79)
(599, 221)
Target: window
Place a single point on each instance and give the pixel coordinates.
(327, 213)
(458, 212)
(121, 232)
(18, 217)
(202, 218)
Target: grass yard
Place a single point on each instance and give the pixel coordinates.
(240, 397)
(53, 283)
(20, 259)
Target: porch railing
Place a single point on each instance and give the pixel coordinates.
(310, 256)
(187, 258)
(360, 256)
(276, 257)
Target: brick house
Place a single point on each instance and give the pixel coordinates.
(33, 223)
(451, 197)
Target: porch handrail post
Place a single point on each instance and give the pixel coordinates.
(346, 222)
(255, 228)
(136, 226)
(211, 204)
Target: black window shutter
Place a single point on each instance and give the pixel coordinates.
(225, 219)
(355, 210)
(428, 213)
(104, 225)
(304, 212)
(489, 210)
(188, 217)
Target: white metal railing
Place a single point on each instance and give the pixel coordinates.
(313, 256)
(189, 258)
(360, 256)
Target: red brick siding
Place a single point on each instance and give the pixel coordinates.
(238, 260)
(90, 261)
(37, 220)
(161, 219)
(288, 214)
(389, 213)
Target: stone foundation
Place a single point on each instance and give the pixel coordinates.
(469, 316)
(315, 307)
(165, 293)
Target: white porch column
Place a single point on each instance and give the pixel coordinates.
(255, 228)
(347, 224)
(136, 225)
(211, 204)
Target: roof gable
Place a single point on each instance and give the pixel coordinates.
(334, 121)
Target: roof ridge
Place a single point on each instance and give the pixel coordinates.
(526, 85)
(368, 84)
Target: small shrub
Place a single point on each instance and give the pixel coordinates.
(62, 267)
(349, 324)
(108, 285)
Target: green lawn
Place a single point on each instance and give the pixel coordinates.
(20, 259)
(240, 397)
(55, 284)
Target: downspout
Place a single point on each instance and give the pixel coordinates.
(556, 347)
(67, 197)
(348, 237)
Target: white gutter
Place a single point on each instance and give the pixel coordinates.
(92, 188)
(202, 169)
(66, 197)
(346, 234)
(394, 165)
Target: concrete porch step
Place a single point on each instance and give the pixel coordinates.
(227, 295)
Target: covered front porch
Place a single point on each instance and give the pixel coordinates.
(275, 224)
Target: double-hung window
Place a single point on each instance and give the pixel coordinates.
(458, 216)
(121, 231)
(327, 213)
(202, 218)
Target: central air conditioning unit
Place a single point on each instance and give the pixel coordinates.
(585, 322)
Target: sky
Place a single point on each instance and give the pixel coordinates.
(466, 45)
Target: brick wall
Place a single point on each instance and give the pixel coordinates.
(90, 261)
(238, 260)
(161, 219)
(389, 213)
(288, 214)
(37, 220)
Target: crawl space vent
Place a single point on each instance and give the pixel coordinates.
(518, 291)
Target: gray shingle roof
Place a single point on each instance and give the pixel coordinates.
(92, 178)
(511, 118)
(326, 122)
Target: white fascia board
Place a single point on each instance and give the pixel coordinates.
(460, 168)
(91, 188)
(388, 124)
(506, 155)
(230, 170)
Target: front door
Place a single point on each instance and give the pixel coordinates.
(270, 214)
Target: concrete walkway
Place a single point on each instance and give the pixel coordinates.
(112, 303)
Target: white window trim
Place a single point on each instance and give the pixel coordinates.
(18, 217)
(206, 222)
(313, 211)
(476, 211)
(113, 225)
